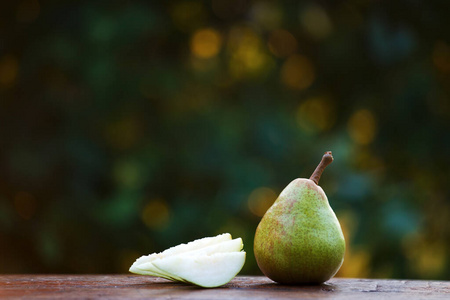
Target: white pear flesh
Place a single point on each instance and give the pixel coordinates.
(149, 268)
(143, 265)
(203, 270)
(234, 245)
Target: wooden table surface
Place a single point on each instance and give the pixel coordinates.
(241, 287)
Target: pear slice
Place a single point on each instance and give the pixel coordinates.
(149, 268)
(203, 270)
(143, 266)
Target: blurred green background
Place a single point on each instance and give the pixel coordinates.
(127, 127)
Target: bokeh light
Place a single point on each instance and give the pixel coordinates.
(156, 214)
(205, 43)
(128, 174)
(260, 200)
(357, 259)
(316, 114)
(297, 72)
(282, 43)
(441, 56)
(267, 14)
(426, 257)
(248, 58)
(9, 69)
(316, 21)
(362, 127)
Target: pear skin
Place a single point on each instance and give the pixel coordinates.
(299, 239)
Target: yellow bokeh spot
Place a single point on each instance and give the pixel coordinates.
(260, 200)
(206, 43)
(267, 14)
(441, 56)
(356, 263)
(362, 127)
(316, 114)
(282, 43)
(349, 223)
(248, 57)
(431, 260)
(316, 21)
(127, 174)
(427, 258)
(297, 72)
(9, 68)
(356, 259)
(156, 214)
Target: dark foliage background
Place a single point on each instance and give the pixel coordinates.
(127, 127)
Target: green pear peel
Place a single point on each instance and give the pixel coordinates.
(299, 240)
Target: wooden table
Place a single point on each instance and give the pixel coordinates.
(242, 287)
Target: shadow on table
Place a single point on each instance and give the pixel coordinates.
(323, 287)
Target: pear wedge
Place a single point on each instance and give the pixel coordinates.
(203, 270)
(149, 268)
(143, 266)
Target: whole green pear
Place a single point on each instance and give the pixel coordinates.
(299, 239)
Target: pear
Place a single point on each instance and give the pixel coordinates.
(299, 239)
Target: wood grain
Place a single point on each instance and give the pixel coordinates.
(242, 287)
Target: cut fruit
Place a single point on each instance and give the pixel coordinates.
(143, 266)
(203, 270)
(202, 262)
(149, 268)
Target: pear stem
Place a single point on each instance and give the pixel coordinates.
(327, 159)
